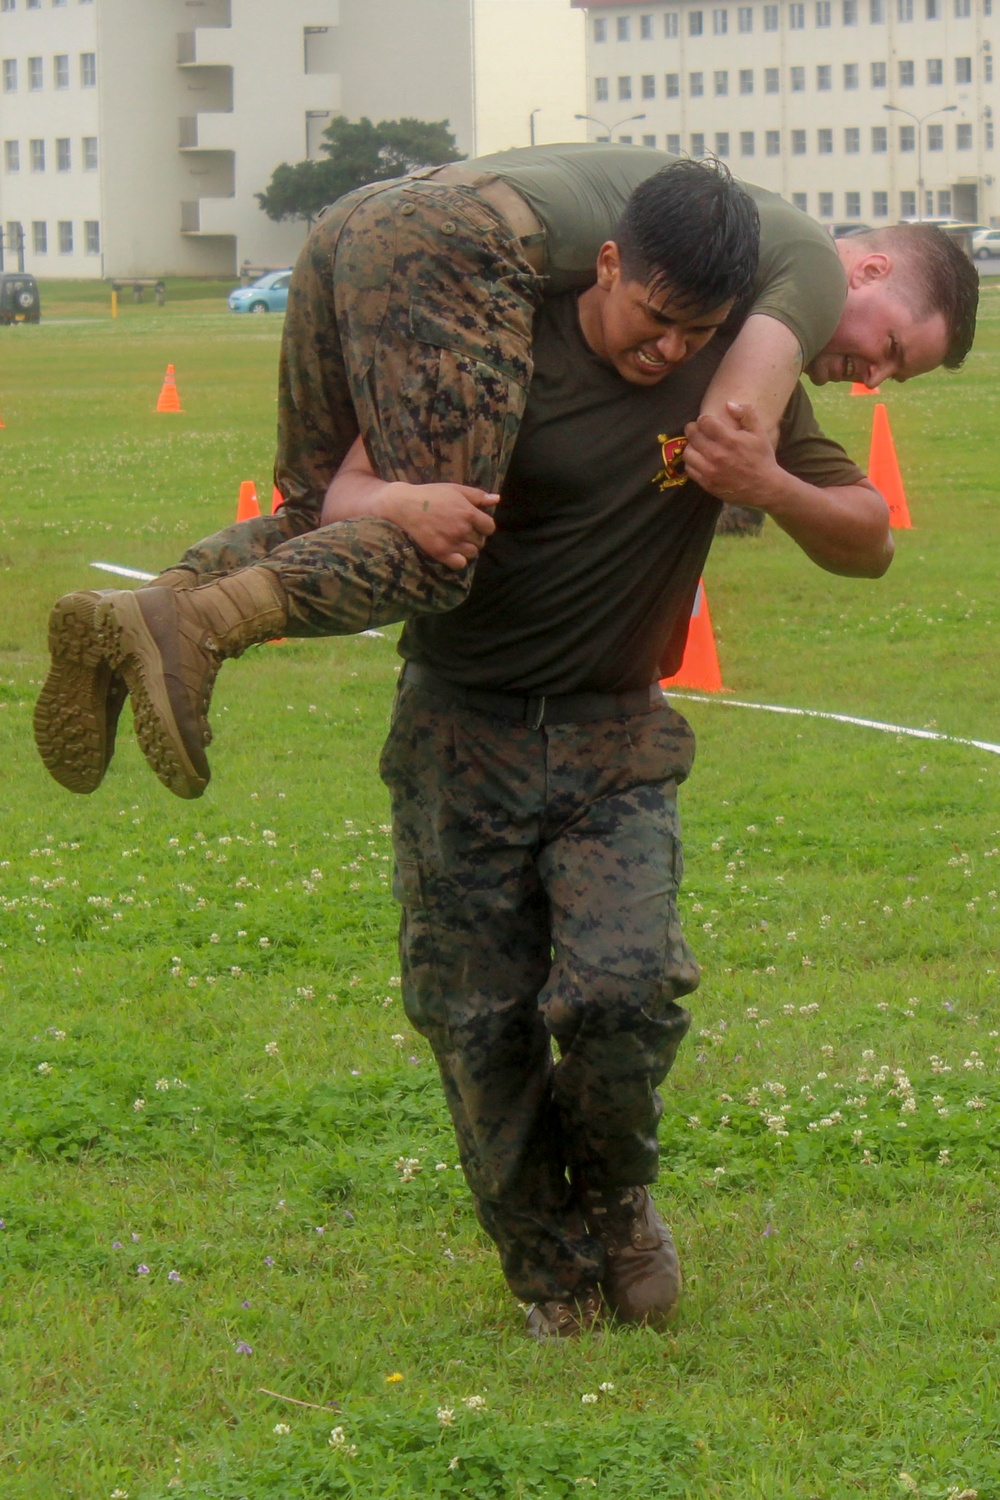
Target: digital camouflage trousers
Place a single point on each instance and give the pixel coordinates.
(409, 321)
(537, 871)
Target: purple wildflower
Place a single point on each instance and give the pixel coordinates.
(242, 1347)
(174, 1276)
(142, 1270)
(269, 1260)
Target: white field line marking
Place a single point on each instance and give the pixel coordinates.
(817, 713)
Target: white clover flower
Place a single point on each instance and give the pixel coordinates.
(474, 1403)
(589, 1398)
(162, 1084)
(454, 1463)
(446, 1416)
(606, 1386)
(45, 1069)
(944, 1157)
(138, 1105)
(282, 1429)
(271, 1048)
(338, 1441)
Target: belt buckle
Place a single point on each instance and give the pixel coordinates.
(540, 715)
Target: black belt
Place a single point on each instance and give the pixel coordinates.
(560, 708)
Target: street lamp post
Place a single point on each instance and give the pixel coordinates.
(609, 128)
(531, 122)
(920, 121)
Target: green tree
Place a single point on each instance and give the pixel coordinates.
(355, 154)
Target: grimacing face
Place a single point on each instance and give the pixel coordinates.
(879, 336)
(641, 332)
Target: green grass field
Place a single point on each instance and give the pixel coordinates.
(207, 1084)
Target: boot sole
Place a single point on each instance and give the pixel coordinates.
(133, 650)
(74, 720)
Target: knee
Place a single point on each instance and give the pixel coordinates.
(636, 1020)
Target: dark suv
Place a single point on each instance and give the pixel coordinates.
(19, 299)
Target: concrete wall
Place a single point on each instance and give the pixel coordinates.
(530, 57)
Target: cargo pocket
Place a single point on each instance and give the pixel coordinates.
(423, 1000)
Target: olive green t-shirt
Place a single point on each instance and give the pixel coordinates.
(588, 582)
(578, 193)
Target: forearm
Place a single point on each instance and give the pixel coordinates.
(844, 529)
(759, 369)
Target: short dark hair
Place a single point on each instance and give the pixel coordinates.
(938, 276)
(692, 232)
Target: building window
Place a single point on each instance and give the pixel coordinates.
(943, 203)
(880, 139)
(37, 152)
(40, 237)
(694, 23)
(746, 80)
(824, 142)
(798, 143)
(906, 74)
(60, 70)
(601, 90)
(823, 9)
(744, 19)
(624, 88)
(880, 205)
(988, 67)
(648, 86)
(850, 12)
(963, 137)
(720, 22)
(6, 5)
(800, 201)
(88, 69)
(907, 138)
(852, 140)
(672, 85)
(600, 29)
(646, 28)
(12, 156)
(932, 11)
(797, 16)
(34, 73)
(935, 137)
(674, 145)
(963, 69)
(878, 75)
(852, 205)
(91, 237)
(826, 205)
(876, 12)
(697, 144)
(90, 153)
(770, 18)
(625, 140)
(649, 140)
(772, 82)
(904, 10)
(772, 142)
(908, 205)
(65, 237)
(722, 143)
(850, 75)
(746, 143)
(64, 161)
(935, 70)
(696, 85)
(721, 84)
(988, 134)
(824, 78)
(798, 80)
(670, 27)
(962, 9)
(621, 28)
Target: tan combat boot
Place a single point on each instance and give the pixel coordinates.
(169, 644)
(76, 716)
(642, 1279)
(564, 1320)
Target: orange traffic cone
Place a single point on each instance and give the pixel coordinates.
(860, 389)
(168, 399)
(883, 470)
(277, 500)
(699, 667)
(246, 505)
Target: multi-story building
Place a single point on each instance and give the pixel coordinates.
(135, 133)
(866, 110)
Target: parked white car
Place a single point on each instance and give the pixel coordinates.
(986, 244)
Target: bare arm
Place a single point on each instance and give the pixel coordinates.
(844, 528)
(450, 522)
(759, 369)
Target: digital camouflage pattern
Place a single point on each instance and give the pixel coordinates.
(409, 320)
(537, 870)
